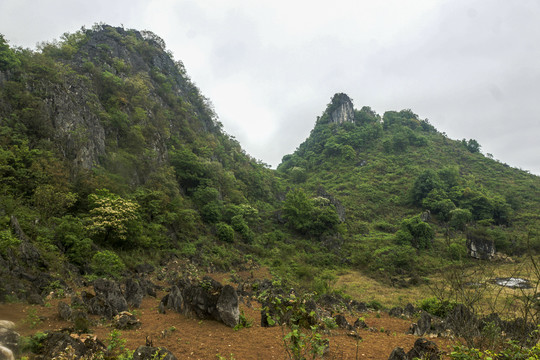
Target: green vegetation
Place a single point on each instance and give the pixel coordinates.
(110, 156)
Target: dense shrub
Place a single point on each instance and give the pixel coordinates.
(107, 263)
(225, 232)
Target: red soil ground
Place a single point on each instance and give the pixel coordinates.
(190, 338)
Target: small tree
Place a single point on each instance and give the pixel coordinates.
(459, 218)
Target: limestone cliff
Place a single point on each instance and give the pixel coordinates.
(341, 109)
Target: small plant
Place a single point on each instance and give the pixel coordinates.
(32, 319)
(117, 346)
(290, 311)
(32, 343)
(231, 357)
(329, 323)
(243, 322)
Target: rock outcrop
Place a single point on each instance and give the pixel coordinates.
(480, 247)
(207, 299)
(341, 109)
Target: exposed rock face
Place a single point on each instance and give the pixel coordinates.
(480, 248)
(206, 300)
(108, 301)
(134, 292)
(342, 322)
(64, 311)
(342, 109)
(227, 306)
(423, 326)
(340, 209)
(78, 129)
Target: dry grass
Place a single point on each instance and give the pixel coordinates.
(364, 288)
(487, 296)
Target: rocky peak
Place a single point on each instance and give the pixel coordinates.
(341, 109)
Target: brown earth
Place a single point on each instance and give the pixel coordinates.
(190, 338)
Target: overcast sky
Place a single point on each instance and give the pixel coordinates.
(472, 67)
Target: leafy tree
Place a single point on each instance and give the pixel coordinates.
(298, 174)
(112, 218)
(449, 175)
(309, 216)
(415, 232)
(8, 58)
(471, 145)
(459, 218)
(366, 116)
(297, 210)
(427, 181)
(53, 202)
(502, 211)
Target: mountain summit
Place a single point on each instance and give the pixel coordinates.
(341, 109)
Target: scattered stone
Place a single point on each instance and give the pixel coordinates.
(110, 291)
(9, 340)
(64, 311)
(144, 269)
(360, 324)
(126, 320)
(150, 353)
(358, 306)
(410, 310)
(398, 354)
(423, 326)
(461, 321)
(60, 345)
(6, 354)
(342, 322)
(396, 312)
(206, 299)
(424, 349)
(35, 299)
(80, 321)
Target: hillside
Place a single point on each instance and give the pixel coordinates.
(112, 161)
(384, 171)
(106, 119)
